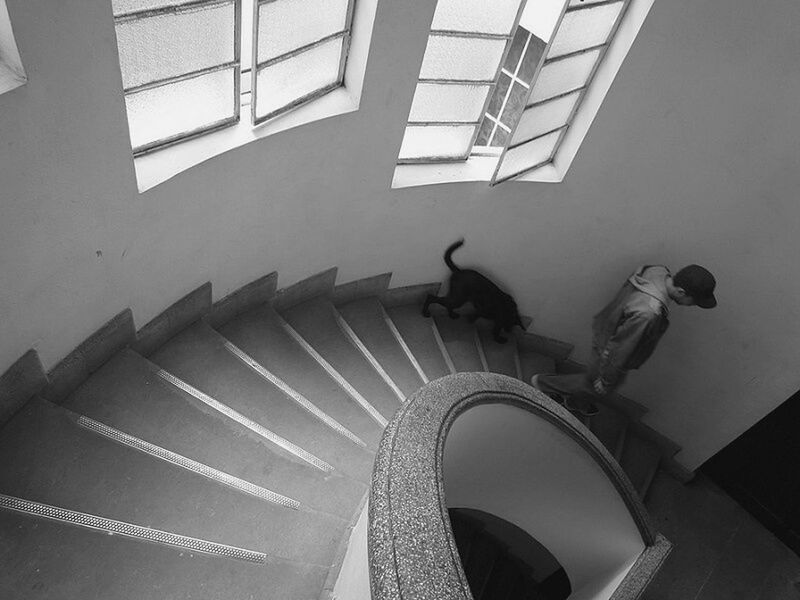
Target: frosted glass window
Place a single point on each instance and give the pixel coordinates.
(124, 7)
(448, 102)
(164, 46)
(486, 16)
(285, 25)
(544, 117)
(563, 75)
(434, 141)
(470, 59)
(285, 82)
(585, 28)
(584, 2)
(522, 158)
(179, 108)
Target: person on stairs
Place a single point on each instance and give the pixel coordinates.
(627, 330)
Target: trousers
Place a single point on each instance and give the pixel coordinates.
(581, 385)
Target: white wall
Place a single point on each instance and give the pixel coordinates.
(694, 157)
(505, 461)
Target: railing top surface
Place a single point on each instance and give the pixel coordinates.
(412, 551)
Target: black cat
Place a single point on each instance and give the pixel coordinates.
(490, 302)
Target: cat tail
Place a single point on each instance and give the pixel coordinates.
(448, 253)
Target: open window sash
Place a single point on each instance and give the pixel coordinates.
(582, 36)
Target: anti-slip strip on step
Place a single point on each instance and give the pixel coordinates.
(481, 351)
(249, 423)
(345, 385)
(293, 394)
(440, 342)
(187, 463)
(398, 336)
(348, 331)
(138, 532)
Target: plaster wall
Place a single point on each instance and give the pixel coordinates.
(692, 158)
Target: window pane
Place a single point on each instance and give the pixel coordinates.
(284, 82)
(544, 117)
(168, 45)
(486, 16)
(528, 155)
(584, 2)
(484, 132)
(584, 28)
(448, 102)
(472, 59)
(285, 25)
(124, 7)
(514, 104)
(434, 141)
(563, 76)
(181, 107)
(515, 51)
(499, 95)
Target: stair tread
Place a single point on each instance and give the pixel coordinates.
(127, 394)
(315, 320)
(367, 318)
(501, 358)
(198, 356)
(419, 335)
(261, 335)
(43, 559)
(47, 457)
(482, 556)
(459, 338)
(610, 425)
(640, 460)
(533, 363)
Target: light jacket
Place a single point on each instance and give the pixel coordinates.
(627, 330)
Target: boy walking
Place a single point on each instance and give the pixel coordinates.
(627, 330)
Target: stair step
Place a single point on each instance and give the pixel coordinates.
(640, 460)
(127, 394)
(610, 426)
(199, 357)
(261, 334)
(501, 580)
(460, 339)
(315, 320)
(368, 319)
(482, 557)
(501, 358)
(49, 458)
(419, 334)
(44, 559)
(533, 363)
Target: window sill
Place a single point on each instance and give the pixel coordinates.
(156, 167)
(476, 168)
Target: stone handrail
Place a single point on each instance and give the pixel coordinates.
(412, 550)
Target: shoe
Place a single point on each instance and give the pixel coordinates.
(589, 409)
(535, 382)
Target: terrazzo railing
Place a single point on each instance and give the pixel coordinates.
(412, 550)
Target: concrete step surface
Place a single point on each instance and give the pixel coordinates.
(315, 320)
(420, 336)
(368, 319)
(127, 394)
(261, 334)
(199, 357)
(460, 339)
(50, 459)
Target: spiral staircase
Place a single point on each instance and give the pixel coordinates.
(226, 450)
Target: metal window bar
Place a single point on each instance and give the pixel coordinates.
(603, 49)
(492, 84)
(345, 34)
(175, 9)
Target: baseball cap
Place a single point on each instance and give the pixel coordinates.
(699, 283)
